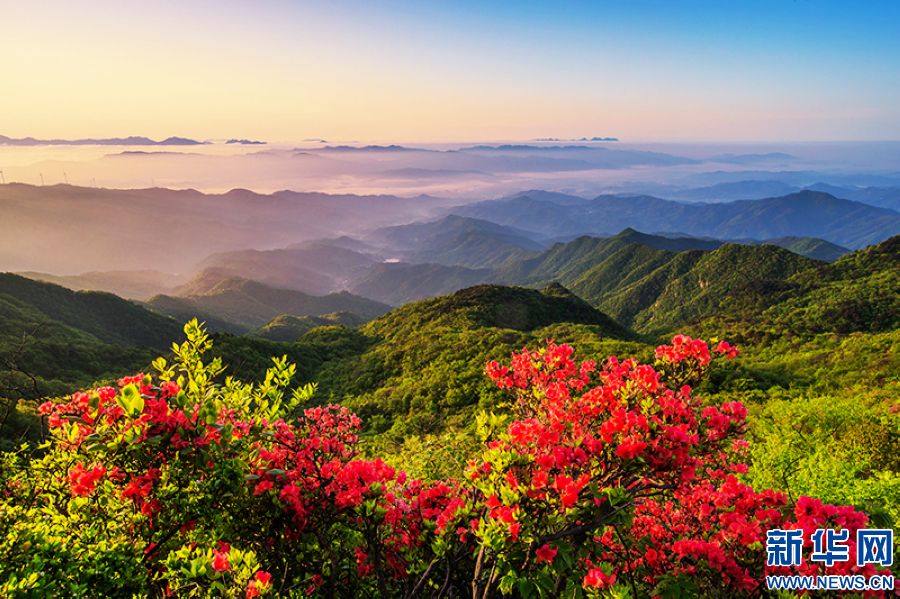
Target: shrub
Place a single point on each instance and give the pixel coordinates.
(605, 478)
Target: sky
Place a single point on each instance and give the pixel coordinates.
(282, 71)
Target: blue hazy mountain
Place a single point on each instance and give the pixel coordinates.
(802, 214)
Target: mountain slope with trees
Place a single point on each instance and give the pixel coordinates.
(455, 241)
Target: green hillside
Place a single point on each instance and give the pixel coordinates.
(569, 261)
(699, 290)
(654, 283)
(54, 341)
(290, 328)
(858, 293)
(419, 368)
(232, 304)
(102, 315)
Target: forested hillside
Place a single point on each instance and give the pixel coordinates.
(54, 341)
(419, 368)
(817, 369)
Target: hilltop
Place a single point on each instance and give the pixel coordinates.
(291, 328)
(497, 306)
(419, 367)
(654, 283)
(860, 292)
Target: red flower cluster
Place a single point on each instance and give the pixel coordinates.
(669, 458)
(83, 481)
(545, 553)
(683, 348)
(728, 350)
(589, 444)
(311, 467)
(261, 583)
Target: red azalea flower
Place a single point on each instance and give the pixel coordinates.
(545, 553)
(220, 562)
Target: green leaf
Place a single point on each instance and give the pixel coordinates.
(506, 583)
(130, 400)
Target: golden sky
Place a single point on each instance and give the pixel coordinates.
(398, 71)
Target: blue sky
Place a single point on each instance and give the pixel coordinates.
(433, 71)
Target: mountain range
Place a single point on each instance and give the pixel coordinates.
(752, 189)
(130, 284)
(61, 228)
(536, 238)
(317, 267)
(417, 368)
(133, 140)
(806, 213)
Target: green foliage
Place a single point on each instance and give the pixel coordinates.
(840, 448)
(55, 540)
(419, 369)
(53, 341)
(103, 316)
(859, 292)
(291, 328)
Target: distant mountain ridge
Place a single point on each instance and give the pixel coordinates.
(140, 229)
(238, 305)
(129, 284)
(806, 213)
(134, 140)
(456, 241)
(316, 267)
(752, 189)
